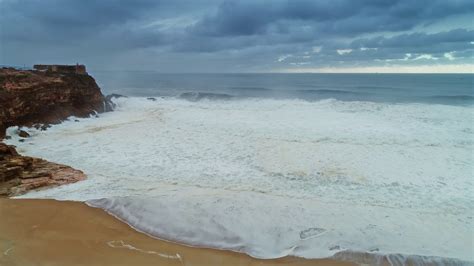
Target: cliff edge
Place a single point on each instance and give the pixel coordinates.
(29, 97)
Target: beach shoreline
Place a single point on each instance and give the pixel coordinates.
(71, 233)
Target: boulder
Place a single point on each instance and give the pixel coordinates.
(23, 134)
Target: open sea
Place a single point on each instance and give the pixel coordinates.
(307, 165)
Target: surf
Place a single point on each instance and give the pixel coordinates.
(290, 170)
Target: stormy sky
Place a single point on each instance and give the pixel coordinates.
(241, 36)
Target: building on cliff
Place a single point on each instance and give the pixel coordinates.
(72, 69)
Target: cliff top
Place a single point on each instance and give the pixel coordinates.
(14, 79)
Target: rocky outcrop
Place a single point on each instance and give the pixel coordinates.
(19, 174)
(39, 98)
(109, 103)
(29, 97)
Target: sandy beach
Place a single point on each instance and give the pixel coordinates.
(49, 232)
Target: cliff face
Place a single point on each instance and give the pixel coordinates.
(29, 97)
(36, 97)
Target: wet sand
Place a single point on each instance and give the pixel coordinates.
(49, 232)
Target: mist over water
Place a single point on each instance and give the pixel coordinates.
(314, 165)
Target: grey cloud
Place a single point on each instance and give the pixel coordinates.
(245, 33)
(435, 44)
(338, 17)
(417, 39)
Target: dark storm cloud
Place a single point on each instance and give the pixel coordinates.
(78, 14)
(337, 17)
(71, 20)
(242, 31)
(68, 15)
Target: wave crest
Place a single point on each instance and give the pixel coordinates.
(197, 96)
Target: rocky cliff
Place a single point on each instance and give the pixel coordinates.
(19, 174)
(29, 97)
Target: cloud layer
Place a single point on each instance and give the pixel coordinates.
(246, 35)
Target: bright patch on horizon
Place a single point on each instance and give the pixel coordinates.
(368, 49)
(299, 63)
(449, 56)
(465, 68)
(284, 57)
(344, 51)
(426, 56)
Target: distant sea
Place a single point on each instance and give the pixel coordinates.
(309, 165)
(453, 89)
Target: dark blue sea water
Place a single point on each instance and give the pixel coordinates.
(452, 89)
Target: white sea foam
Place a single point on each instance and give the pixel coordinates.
(265, 226)
(277, 177)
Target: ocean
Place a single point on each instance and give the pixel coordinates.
(453, 89)
(308, 165)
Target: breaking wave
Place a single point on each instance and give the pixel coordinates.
(196, 96)
(238, 93)
(460, 99)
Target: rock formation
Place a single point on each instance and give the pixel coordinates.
(19, 174)
(39, 98)
(28, 97)
(109, 104)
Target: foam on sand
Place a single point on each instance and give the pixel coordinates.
(266, 226)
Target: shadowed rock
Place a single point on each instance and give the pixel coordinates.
(109, 104)
(23, 134)
(40, 98)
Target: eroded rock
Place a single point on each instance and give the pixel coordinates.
(19, 174)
